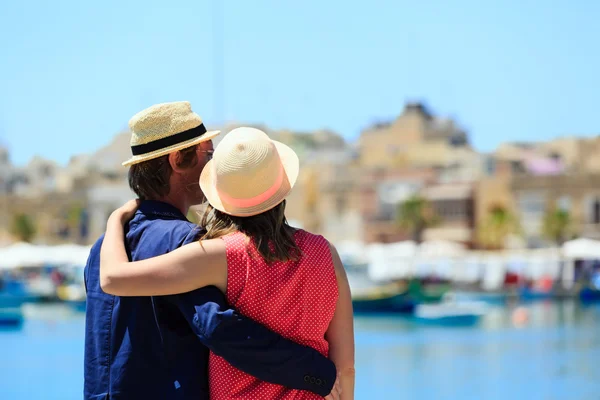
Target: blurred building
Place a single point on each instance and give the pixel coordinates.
(577, 193)
(418, 154)
(325, 199)
(380, 193)
(532, 179)
(346, 191)
(416, 139)
(454, 205)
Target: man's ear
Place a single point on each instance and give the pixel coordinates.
(175, 162)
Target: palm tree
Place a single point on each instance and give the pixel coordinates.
(23, 227)
(557, 225)
(499, 224)
(415, 215)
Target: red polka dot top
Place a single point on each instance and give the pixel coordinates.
(296, 299)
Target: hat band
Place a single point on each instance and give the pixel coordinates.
(256, 200)
(168, 141)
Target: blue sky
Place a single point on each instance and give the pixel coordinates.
(72, 73)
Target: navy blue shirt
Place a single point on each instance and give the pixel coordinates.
(157, 347)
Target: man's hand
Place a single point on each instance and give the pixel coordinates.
(336, 392)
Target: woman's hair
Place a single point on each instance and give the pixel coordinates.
(269, 231)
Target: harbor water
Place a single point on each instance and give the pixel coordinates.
(553, 353)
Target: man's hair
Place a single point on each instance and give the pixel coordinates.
(149, 180)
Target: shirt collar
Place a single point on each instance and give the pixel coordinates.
(159, 209)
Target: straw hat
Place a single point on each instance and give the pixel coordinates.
(249, 173)
(163, 129)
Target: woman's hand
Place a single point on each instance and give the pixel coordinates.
(336, 392)
(126, 211)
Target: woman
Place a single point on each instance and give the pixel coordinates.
(287, 279)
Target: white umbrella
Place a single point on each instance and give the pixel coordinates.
(582, 248)
(441, 248)
(29, 255)
(21, 255)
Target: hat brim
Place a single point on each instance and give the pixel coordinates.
(167, 150)
(291, 167)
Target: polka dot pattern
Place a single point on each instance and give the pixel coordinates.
(296, 299)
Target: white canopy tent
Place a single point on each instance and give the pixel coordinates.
(30, 255)
(390, 261)
(438, 257)
(582, 248)
(441, 248)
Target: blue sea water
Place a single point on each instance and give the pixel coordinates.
(555, 354)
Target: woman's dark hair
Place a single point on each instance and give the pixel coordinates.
(269, 231)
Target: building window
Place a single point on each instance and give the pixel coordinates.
(517, 167)
(490, 166)
(532, 206)
(450, 210)
(564, 203)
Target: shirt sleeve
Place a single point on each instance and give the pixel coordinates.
(251, 347)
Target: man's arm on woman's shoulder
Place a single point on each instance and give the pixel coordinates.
(251, 347)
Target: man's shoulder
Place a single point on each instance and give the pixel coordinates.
(162, 235)
(171, 228)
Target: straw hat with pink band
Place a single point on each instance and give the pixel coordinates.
(249, 173)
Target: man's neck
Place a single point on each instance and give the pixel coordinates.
(179, 204)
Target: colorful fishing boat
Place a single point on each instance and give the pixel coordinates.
(533, 294)
(589, 295)
(372, 297)
(378, 302)
(11, 310)
(73, 295)
(449, 313)
(422, 293)
(491, 298)
(11, 317)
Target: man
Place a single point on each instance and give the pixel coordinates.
(157, 347)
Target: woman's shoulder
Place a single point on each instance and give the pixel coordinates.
(234, 241)
(307, 240)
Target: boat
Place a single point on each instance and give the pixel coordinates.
(491, 298)
(532, 294)
(11, 310)
(449, 313)
(589, 295)
(13, 293)
(11, 317)
(383, 303)
(422, 293)
(72, 295)
(11, 300)
(373, 297)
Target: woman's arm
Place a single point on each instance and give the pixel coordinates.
(187, 268)
(340, 333)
